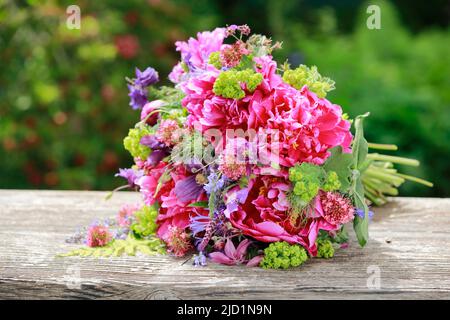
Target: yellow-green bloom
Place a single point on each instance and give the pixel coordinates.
(310, 77)
(283, 255)
(228, 83)
(132, 142)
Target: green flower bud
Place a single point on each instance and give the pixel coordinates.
(228, 83)
(332, 182)
(325, 249)
(214, 59)
(309, 77)
(283, 255)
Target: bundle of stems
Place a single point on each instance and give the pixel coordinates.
(381, 179)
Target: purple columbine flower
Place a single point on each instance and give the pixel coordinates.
(159, 149)
(152, 142)
(130, 175)
(360, 213)
(138, 96)
(156, 156)
(187, 189)
(147, 77)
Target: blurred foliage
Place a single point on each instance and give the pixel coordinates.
(63, 99)
(402, 79)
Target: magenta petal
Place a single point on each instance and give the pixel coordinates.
(254, 262)
(242, 249)
(219, 257)
(269, 228)
(229, 249)
(314, 230)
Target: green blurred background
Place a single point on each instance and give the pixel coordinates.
(63, 99)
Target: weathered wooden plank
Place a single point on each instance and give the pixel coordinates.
(409, 247)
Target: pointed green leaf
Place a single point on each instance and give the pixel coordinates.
(360, 146)
(200, 204)
(359, 151)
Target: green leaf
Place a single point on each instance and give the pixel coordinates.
(361, 227)
(340, 163)
(201, 204)
(360, 146)
(211, 203)
(359, 152)
(130, 249)
(164, 178)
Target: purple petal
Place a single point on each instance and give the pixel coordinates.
(360, 213)
(242, 194)
(147, 77)
(138, 97)
(152, 142)
(130, 175)
(188, 189)
(156, 156)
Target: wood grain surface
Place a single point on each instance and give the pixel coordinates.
(408, 257)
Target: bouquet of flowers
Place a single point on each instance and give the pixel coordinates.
(243, 161)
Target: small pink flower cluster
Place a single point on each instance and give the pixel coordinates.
(98, 236)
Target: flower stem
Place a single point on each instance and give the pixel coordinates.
(400, 160)
(380, 146)
(384, 176)
(415, 179)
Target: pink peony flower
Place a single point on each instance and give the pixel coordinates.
(301, 126)
(197, 51)
(208, 111)
(263, 214)
(305, 126)
(98, 236)
(177, 73)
